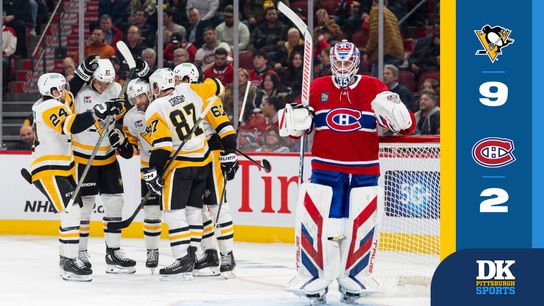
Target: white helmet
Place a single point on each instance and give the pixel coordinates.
(50, 81)
(345, 61)
(161, 79)
(187, 70)
(105, 72)
(137, 87)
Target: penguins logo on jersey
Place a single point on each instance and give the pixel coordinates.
(493, 40)
(493, 152)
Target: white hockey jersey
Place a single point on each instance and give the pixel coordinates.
(52, 153)
(169, 120)
(84, 142)
(134, 129)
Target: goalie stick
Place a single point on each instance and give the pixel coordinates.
(125, 223)
(306, 72)
(127, 55)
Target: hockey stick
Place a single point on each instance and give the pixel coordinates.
(125, 223)
(265, 165)
(307, 72)
(123, 49)
(222, 198)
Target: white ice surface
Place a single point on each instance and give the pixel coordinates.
(29, 276)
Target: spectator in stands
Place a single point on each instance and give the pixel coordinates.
(181, 11)
(196, 27)
(430, 84)
(205, 56)
(286, 48)
(180, 56)
(225, 30)
(117, 9)
(134, 41)
(428, 116)
(207, 8)
(175, 43)
(325, 63)
(26, 134)
(391, 79)
(271, 87)
(254, 10)
(393, 48)
(147, 30)
(221, 68)
(272, 142)
(113, 34)
(228, 103)
(426, 54)
(15, 16)
(267, 34)
(260, 67)
(33, 17)
(148, 6)
(150, 57)
(9, 45)
(96, 44)
(270, 107)
(68, 68)
(292, 75)
(352, 23)
(191, 49)
(170, 27)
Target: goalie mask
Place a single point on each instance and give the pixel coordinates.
(139, 93)
(161, 79)
(52, 81)
(186, 70)
(345, 61)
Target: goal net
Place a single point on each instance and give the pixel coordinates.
(409, 215)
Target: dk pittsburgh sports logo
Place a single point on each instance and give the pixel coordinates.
(493, 40)
(495, 278)
(493, 152)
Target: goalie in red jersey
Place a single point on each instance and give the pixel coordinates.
(337, 211)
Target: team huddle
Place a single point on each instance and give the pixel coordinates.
(187, 152)
(337, 211)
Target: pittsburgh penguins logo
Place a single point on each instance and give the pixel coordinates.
(493, 40)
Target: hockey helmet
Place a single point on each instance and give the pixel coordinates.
(161, 79)
(49, 81)
(345, 60)
(105, 73)
(188, 70)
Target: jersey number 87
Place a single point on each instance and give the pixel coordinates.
(183, 120)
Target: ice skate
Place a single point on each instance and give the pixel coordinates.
(152, 260)
(75, 270)
(208, 265)
(181, 268)
(118, 263)
(84, 257)
(227, 265)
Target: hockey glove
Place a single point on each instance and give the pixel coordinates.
(115, 106)
(117, 138)
(391, 112)
(229, 163)
(153, 180)
(142, 68)
(86, 69)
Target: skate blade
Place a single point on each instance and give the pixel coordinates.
(209, 271)
(153, 270)
(349, 301)
(113, 269)
(71, 277)
(228, 274)
(179, 276)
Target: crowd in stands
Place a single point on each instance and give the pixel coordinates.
(201, 31)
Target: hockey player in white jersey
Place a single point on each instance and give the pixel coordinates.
(221, 138)
(104, 176)
(53, 171)
(132, 137)
(169, 119)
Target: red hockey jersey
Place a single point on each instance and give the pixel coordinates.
(346, 138)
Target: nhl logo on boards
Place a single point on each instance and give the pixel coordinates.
(493, 40)
(493, 152)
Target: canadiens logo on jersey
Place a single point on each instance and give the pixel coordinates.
(493, 40)
(493, 152)
(349, 120)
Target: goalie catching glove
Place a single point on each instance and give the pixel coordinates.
(152, 179)
(391, 112)
(229, 163)
(295, 120)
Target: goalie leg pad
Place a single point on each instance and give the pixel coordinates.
(152, 226)
(317, 253)
(69, 232)
(178, 231)
(113, 211)
(88, 205)
(358, 246)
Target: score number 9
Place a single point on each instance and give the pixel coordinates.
(495, 97)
